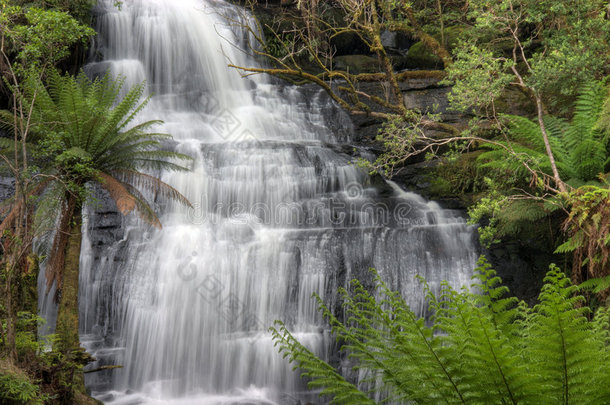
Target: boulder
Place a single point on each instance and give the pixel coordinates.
(419, 56)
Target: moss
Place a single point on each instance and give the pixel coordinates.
(67, 316)
(459, 178)
(68, 343)
(513, 101)
(28, 286)
(420, 56)
(357, 64)
(452, 35)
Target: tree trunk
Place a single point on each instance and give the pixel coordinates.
(68, 342)
(67, 315)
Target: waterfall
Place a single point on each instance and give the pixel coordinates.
(280, 212)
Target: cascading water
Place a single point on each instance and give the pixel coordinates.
(278, 214)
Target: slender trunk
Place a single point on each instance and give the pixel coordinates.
(545, 136)
(440, 17)
(12, 268)
(11, 316)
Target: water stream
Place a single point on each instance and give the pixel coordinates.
(279, 212)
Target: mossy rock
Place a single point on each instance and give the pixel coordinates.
(460, 178)
(357, 64)
(419, 56)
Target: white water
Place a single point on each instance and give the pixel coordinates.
(278, 215)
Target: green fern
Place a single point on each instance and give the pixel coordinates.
(481, 347)
(580, 147)
(596, 285)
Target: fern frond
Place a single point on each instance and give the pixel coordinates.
(559, 337)
(145, 211)
(48, 207)
(484, 347)
(124, 200)
(321, 373)
(152, 184)
(596, 285)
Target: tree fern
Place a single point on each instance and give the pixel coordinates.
(478, 347)
(588, 229)
(85, 130)
(92, 122)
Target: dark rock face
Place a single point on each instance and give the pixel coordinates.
(521, 267)
(105, 223)
(349, 44)
(7, 187)
(423, 94)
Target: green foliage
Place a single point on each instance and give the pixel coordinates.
(399, 137)
(85, 129)
(279, 45)
(40, 37)
(16, 384)
(458, 176)
(18, 389)
(48, 35)
(27, 339)
(588, 230)
(477, 348)
(580, 148)
(596, 285)
(518, 160)
(478, 78)
(500, 216)
(553, 46)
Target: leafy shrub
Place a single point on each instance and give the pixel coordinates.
(17, 388)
